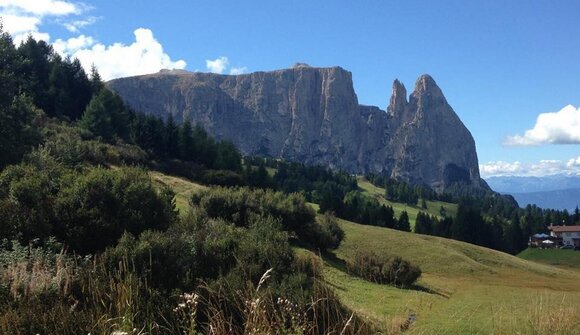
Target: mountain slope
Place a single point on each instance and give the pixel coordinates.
(312, 115)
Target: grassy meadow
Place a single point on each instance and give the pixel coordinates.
(565, 258)
(464, 289)
(433, 207)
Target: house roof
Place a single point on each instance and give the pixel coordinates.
(567, 229)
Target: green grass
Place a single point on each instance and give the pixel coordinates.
(433, 207)
(466, 289)
(560, 257)
(182, 187)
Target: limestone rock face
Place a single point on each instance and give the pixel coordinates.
(430, 145)
(312, 115)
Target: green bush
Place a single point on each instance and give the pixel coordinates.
(383, 270)
(236, 205)
(88, 209)
(222, 178)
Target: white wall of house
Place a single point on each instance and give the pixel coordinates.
(567, 237)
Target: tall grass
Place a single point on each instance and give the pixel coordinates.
(546, 315)
(64, 297)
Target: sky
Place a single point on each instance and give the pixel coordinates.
(510, 69)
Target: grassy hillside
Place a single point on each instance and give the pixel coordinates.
(558, 257)
(465, 289)
(378, 193)
(181, 186)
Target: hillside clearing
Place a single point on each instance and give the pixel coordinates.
(182, 187)
(433, 207)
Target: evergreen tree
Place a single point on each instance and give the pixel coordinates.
(204, 147)
(185, 141)
(106, 117)
(19, 130)
(403, 222)
(35, 70)
(171, 139)
(423, 224)
(9, 64)
(514, 239)
(18, 115)
(96, 81)
(228, 157)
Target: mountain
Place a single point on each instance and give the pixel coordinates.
(525, 184)
(312, 115)
(559, 191)
(558, 199)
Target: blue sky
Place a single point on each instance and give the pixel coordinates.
(500, 63)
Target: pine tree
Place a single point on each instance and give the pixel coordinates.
(171, 138)
(513, 236)
(96, 81)
(185, 142)
(423, 224)
(106, 116)
(403, 222)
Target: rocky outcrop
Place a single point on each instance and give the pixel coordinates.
(312, 115)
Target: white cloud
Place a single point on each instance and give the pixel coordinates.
(143, 56)
(24, 17)
(574, 163)
(538, 169)
(22, 26)
(562, 127)
(221, 64)
(238, 70)
(218, 65)
(77, 25)
(72, 45)
(40, 7)
(499, 168)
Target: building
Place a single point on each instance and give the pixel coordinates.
(570, 235)
(543, 241)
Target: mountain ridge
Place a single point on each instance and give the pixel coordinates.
(312, 115)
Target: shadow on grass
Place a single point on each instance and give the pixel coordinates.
(340, 264)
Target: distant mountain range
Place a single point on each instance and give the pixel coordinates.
(555, 191)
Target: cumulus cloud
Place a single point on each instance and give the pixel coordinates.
(562, 127)
(24, 17)
(574, 163)
(21, 26)
(542, 168)
(221, 64)
(238, 70)
(218, 65)
(40, 7)
(143, 56)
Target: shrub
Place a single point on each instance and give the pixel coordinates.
(383, 270)
(87, 210)
(105, 203)
(237, 204)
(222, 178)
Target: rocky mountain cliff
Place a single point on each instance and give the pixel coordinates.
(312, 115)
